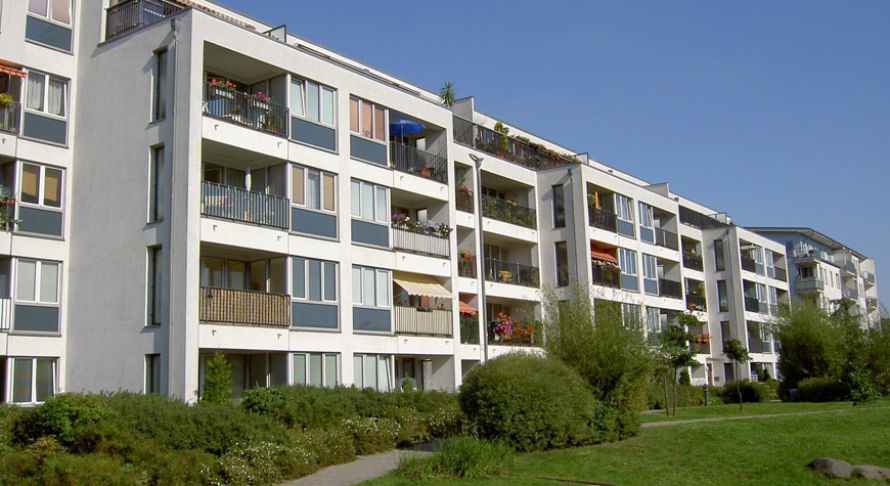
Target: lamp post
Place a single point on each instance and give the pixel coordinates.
(477, 163)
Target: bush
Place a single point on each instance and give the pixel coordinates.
(820, 389)
(69, 418)
(530, 402)
(751, 392)
(371, 434)
(217, 381)
(687, 395)
(458, 458)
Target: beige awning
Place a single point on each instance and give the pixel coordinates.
(420, 285)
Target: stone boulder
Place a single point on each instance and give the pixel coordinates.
(868, 471)
(833, 468)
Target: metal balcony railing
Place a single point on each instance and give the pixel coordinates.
(693, 262)
(464, 199)
(429, 322)
(516, 150)
(418, 241)
(237, 204)
(606, 276)
(666, 239)
(670, 288)
(247, 110)
(132, 14)
(7, 214)
(511, 273)
(696, 302)
(418, 162)
(10, 116)
(244, 307)
(781, 274)
(469, 330)
(809, 284)
(521, 334)
(752, 304)
(508, 212)
(749, 264)
(602, 219)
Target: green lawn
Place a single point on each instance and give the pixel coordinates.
(773, 450)
(732, 410)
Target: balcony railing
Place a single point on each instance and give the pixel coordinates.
(428, 322)
(469, 330)
(602, 219)
(10, 116)
(237, 204)
(522, 152)
(781, 274)
(5, 314)
(871, 302)
(670, 288)
(511, 273)
(7, 214)
(752, 304)
(132, 14)
(464, 199)
(809, 284)
(700, 348)
(418, 162)
(869, 278)
(693, 262)
(466, 266)
(508, 212)
(418, 241)
(666, 239)
(246, 110)
(521, 334)
(696, 302)
(749, 264)
(606, 276)
(244, 307)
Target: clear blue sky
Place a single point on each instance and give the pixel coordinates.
(778, 113)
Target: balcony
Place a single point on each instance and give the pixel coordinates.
(9, 117)
(871, 302)
(606, 275)
(464, 199)
(693, 262)
(131, 14)
(516, 334)
(254, 111)
(466, 266)
(420, 241)
(700, 347)
(514, 149)
(851, 293)
(7, 214)
(508, 211)
(421, 321)
(469, 329)
(696, 302)
(670, 288)
(752, 304)
(231, 306)
(412, 160)
(780, 274)
(511, 273)
(809, 284)
(602, 219)
(868, 278)
(749, 264)
(233, 203)
(666, 239)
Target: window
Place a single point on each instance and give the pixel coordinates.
(370, 201)
(372, 371)
(312, 101)
(653, 321)
(314, 189)
(647, 215)
(367, 119)
(562, 263)
(650, 267)
(153, 290)
(316, 369)
(58, 11)
(47, 94)
(37, 281)
(624, 208)
(722, 296)
(33, 380)
(41, 186)
(159, 89)
(627, 259)
(152, 373)
(719, 262)
(370, 287)
(559, 206)
(631, 315)
(154, 181)
(314, 280)
(770, 264)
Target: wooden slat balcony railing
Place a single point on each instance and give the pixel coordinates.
(229, 306)
(429, 322)
(420, 242)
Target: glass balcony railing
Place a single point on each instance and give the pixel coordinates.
(693, 262)
(670, 288)
(666, 239)
(749, 264)
(508, 212)
(602, 219)
(9, 117)
(464, 199)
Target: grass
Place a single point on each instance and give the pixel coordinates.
(732, 410)
(772, 450)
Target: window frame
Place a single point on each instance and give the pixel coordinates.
(561, 265)
(44, 96)
(559, 205)
(374, 209)
(38, 276)
(387, 292)
(628, 258)
(49, 14)
(307, 368)
(155, 165)
(10, 374)
(322, 281)
(321, 191)
(153, 294)
(650, 261)
(41, 187)
(647, 213)
(377, 359)
(624, 208)
(159, 81)
(152, 382)
(304, 101)
(373, 128)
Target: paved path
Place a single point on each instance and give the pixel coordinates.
(362, 469)
(740, 417)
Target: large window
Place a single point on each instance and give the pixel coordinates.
(370, 287)
(58, 11)
(559, 206)
(314, 189)
(159, 88)
(314, 280)
(624, 208)
(367, 119)
(316, 369)
(372, 371)
(627, 259)
(650, 274)
(719, 260)
(41, 186)
(152, 285)
(312, 101)
(370, 201)
(37, 281)
(32, 380)
(647, 215)
(47, 94)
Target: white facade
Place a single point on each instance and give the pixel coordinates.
(200, 184)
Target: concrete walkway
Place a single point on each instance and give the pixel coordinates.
(362, 469)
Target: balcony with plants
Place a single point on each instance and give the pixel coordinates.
(505, 330)
(469, 324)
(10, 112)
(695, 296)
(605, 271)
(466, 263)
(506, 200)
(417, 147)
(227, 100)
(419, 225)
(658, 227)
(422, 306)
(692, 254)
(512, 273)
(517, 149)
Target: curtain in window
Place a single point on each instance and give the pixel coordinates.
(297, 182)
(21, 380)
(26, 280)
(37, 7)
(382, 288)
(367, 202)
(30, 184)
(380, 209)
(366, 120)
(353, 115)
(34, 100)
(313, 190)
(380, 123)
(356, 198)
(52, 191)
(56, 97)
(61, 11)
(368, 297)
(328, 193)
(49, 283)
(356, 285)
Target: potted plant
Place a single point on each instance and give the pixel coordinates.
(222, 88)
(505, 276)
(260, 101)
(6, 100)
(503, 326)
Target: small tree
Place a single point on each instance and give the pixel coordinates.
(217, 380)
(674, 354)
(737, 353)
(446, 94)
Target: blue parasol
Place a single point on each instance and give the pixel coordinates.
(404, 127)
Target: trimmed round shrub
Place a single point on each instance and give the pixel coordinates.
(751, 392)
(530, 402)
(820, 389)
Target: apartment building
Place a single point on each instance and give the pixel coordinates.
(827, 272)
(232, 188)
